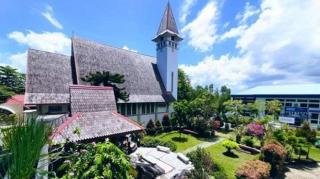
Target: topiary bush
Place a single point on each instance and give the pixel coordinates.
(230, 145)
(153, 142)
(254, 169)
(275, 154)
(159, 127)
(151, 127)
(166, 122)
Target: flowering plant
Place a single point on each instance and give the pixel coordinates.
(255, 129)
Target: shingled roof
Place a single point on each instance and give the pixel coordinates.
(168, 22)
(48, 78)
(142, 79)
(94, 114)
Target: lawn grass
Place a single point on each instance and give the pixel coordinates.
(314, 153)
(229, 164)
(184, 143)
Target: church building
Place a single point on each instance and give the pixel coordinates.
(53, 81)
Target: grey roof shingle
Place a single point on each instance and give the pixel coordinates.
(168, 22)
(92, 99)
(142, 79)
(48, 77)
(94, 114)
(94, 125)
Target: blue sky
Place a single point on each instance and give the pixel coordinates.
(242, 43)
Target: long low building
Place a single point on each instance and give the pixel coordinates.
(298, 101)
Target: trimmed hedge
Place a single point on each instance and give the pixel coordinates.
(154, 142)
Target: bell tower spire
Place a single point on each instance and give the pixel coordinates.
(167, 40)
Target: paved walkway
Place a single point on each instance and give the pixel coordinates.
(202, 145)
(303, 172)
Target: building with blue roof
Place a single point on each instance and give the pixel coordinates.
(299, 101)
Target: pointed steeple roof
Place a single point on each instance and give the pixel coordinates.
(168, 22)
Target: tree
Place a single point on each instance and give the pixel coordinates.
(306, 132)
(159, 126)
(106, 78)
(184, 86)
(166, 121)
(181, 110)
(229, 145)
(12, 79)
(234, 110)
(5, 93)
(273, 108)
(151, 127)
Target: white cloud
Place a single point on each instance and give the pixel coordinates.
(19, 61)
(249, 11)
(185, 10)
(282, 46)
(48, 14)
(49, 41)
(201, 32)
(127, 48)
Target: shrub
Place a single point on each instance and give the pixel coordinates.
(151, 127)
(275, 154)
(247, 140)
(226, 126)
(101, 160)
(166, 121)
(229, 145)
(153, 142)
(255, 129)
(255, 169)
(159, 126)
(24, 141)
(307, 132)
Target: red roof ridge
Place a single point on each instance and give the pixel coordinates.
(91, 87)
(62, 126)
(127, 119)
(16, 99)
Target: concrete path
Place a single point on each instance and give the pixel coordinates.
(202, 145)
(303, 172)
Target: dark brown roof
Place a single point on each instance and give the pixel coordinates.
(143, 81)
(48, 78)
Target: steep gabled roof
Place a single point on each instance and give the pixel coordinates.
(168, 22)
(48, 78)
(142, 79)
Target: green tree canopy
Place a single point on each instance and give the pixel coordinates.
(235, 110)
(12, 79)
(184, 86)
(273, 108)
(106, 78)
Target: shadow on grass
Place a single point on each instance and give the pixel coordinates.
(303, 164)
(211, 139)
(230, 154)
(180, 139)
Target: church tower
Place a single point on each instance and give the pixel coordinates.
(167, 40)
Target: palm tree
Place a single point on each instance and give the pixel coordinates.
(106, 78)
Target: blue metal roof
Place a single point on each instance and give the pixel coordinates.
(296, 89)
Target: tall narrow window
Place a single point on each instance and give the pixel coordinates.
(171, 81)
(134, 109)
(129, 109)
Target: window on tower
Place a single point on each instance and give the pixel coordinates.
(172, 38)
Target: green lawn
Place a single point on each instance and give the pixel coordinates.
(186, 142)
(314, 153)
(229, 164)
